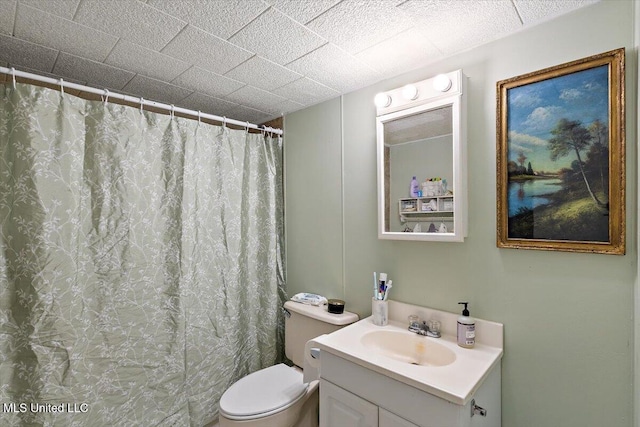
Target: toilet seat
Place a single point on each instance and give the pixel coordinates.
(263, 393)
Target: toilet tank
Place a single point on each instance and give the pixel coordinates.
(307, 322)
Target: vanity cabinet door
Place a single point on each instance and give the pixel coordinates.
(338, 407)
(388, 419)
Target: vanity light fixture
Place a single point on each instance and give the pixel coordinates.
(382, 100)
(418, 93)
(410, 92)
(442, 83)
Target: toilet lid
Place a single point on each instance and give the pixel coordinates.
(266, 390)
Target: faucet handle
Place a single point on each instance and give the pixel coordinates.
(433, 328)
(414, 320)
(415, 323)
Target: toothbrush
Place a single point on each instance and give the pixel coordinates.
(375, 285)
(386, 290)
(381, 284)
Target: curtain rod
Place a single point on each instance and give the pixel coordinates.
(108, 94)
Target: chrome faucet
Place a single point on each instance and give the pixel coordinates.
(421, 328)
(417, 326)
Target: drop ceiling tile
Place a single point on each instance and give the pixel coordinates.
(256, 98)
(401, 53)
(7, 13)
(156, 90)
(100, 75)
(475, 22)
(306, 91)
(355, 26)
(132, 20)
(20, 54)
(277, 37)
(132, 57)
(63, 8)
(209, 104)
(206, 50)
(42, 28)
(533, 11)
(303, 11)
(288, 106)
(53, 76)
(251, 115)
(263, 73)
(221, 18)
(209, 83)
(319, 65)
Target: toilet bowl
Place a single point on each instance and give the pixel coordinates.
(277, 396)
(271, 397)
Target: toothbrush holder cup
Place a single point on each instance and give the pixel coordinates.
(380, 312)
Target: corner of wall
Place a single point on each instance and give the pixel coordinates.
(636, 377)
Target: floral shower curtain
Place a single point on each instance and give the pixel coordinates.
(141, 262)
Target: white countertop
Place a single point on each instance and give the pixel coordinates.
(456, 382)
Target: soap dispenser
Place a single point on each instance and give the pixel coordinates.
(466, 328)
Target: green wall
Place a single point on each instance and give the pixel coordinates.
(568, 317)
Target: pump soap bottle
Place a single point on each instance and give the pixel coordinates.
(466, 328)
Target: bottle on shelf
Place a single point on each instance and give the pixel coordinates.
(413, 188)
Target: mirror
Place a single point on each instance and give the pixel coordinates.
(421, 161)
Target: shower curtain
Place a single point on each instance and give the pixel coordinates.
(141, 262)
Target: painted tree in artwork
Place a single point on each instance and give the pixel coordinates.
(598, 155)
(570, 136)
(521, 159)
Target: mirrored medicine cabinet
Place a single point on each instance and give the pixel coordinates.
(421, 134)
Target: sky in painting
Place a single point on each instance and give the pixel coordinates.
(535, 109)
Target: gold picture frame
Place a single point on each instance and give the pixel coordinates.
(561, 157)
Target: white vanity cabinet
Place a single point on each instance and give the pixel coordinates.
(354, 396)
(387, 376)
(389, 419)
(345, 409)
(342, 408)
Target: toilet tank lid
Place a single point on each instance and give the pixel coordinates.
(321, 313)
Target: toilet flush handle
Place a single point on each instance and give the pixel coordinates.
(315, 352)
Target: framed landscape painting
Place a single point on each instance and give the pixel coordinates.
(561, 157)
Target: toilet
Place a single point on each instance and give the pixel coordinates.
(277, 396)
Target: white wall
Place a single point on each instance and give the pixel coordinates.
(637, 284)
(569, 328)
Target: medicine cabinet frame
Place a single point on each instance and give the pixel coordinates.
(429, 95)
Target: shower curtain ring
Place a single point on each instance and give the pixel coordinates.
(62, 86)
(141, 104)
(172, 110)
(224, 121)
(106, 96)
(13, 76)
(246, 127)
(199, 114)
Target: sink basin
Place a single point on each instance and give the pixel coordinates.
(409, 348)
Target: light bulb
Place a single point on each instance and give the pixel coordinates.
(382, 100)
(442, 83)
(410, 92)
